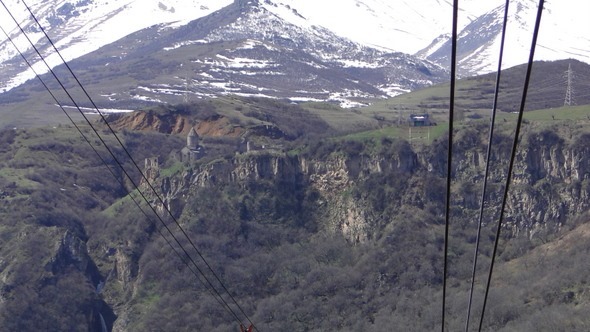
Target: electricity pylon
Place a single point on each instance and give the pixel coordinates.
(569, 91)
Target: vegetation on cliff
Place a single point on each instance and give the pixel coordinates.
(315, 217)
(336, 233)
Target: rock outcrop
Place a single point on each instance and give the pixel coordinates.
(550, 182)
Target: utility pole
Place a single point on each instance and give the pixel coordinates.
(186, 84)
(569, 91)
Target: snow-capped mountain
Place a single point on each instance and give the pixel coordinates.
(402, 25)
(79, 27)
(82, 26)
(248, 48)
(563, 34)
(298, 49)
(304, 56)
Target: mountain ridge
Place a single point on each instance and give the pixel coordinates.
(270, 48)
(560, 37)
(377, 16)
(246, 48)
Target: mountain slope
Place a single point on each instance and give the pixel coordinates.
(562, 35)
(246, 48)
(280, 49)
(547, 89)
(80, 27)
(403, 26)
(336, 233)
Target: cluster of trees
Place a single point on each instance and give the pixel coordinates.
(293, 120)
(53, 188)
(268, 242)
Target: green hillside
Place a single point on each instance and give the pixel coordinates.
(310, 216)
(474, 95)
(317, 230)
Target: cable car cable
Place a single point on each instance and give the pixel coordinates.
(488, 157)
(139, 169)
(107, 165)
(512, 155)
(115, 158)
(450, 155)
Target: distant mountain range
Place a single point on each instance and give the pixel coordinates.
(562, 35)
(345, 51)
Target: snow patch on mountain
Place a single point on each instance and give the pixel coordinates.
(563, 34)
(357, 38)
(403, 26)
(78, 27)
(281, 25)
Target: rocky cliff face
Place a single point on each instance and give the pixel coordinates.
(551, 182)
(168, 123)
(359, 190)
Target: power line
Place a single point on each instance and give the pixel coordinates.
(450, 155)
(132, 160)
(104, 162)
(120, 164)
(215, 295)
(569, 92)
(488, 157)
(513, 155)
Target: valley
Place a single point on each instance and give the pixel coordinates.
(349, 226)
(284, 164)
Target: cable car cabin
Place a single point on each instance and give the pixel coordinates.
(244, 329)
(419, 120)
